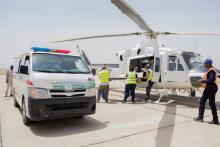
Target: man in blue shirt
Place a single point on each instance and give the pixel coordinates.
(209, 83)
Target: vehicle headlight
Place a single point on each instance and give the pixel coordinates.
(91, 92)
(38, 93)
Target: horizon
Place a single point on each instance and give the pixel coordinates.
(37, 23)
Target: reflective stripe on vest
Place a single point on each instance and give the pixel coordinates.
(203, 85)
(104, 76)
(132, 79)
(150, 75)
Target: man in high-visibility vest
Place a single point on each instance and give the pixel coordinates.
(131, 83)
(211, 88)
(104, 84)
(149, 76)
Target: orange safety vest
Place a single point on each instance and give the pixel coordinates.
(203, 85)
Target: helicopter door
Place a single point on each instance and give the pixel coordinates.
(156, 66)
(175, 70)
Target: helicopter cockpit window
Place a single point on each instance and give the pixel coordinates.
(192, 59)
(172, 63)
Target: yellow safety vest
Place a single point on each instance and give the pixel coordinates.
(131, 78)
(149, 75)
(104, 76)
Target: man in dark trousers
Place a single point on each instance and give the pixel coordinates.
(131, 84)
(149, 76)
(209, 83)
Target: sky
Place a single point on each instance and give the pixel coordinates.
(27, 23)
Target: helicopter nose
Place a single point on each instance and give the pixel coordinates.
(195, 79)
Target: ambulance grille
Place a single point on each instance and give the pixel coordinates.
(70, 94)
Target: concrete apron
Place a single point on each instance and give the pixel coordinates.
(183, 100)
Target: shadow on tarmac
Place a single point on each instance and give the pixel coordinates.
(65, 127)
(165, 132)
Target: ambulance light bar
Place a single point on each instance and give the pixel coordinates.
(40, 49)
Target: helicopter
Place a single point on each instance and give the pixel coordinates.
(172, 69)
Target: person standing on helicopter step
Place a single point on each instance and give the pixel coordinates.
(211, 88)
(149, 75)
(131, 83)
(103, 90)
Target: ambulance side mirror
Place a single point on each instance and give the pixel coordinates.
(24, 70)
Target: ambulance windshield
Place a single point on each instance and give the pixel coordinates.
(192, 59)
(53, 63)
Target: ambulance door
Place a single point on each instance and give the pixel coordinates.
(16, 77)
(156, 63)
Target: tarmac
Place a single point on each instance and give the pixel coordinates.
(167, 124)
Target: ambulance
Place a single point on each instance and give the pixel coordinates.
(53, 84)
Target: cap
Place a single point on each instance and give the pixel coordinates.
(208, 61)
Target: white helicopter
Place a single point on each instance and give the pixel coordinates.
(172, 69)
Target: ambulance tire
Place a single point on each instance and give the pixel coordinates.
(25, 119)
(15, 102)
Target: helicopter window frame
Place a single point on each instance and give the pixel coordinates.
(179, 65)
(172, 63)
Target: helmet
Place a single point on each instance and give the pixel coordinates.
(208, 61)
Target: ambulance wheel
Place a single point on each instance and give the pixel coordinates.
(15, 103)
(25, 119)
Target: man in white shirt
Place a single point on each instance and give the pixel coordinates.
(9, 82)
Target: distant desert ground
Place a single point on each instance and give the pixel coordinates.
(2, 71)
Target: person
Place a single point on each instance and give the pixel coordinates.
(104, 83)
(209, 83)
(9, 82)
(149, 75)
(131, 83)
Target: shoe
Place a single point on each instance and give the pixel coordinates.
(214, 122)
(6, 96)
(124, 101)
(199, 119)
(149, 101)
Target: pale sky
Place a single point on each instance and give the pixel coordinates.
(27, 23)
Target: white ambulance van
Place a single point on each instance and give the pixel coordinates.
(53, 84)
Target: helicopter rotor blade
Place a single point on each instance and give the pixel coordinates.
(132, 14)
(189, 34)
(102, 36)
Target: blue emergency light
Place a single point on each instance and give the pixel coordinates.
(38, 49)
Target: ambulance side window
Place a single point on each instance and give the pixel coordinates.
(172, 63)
